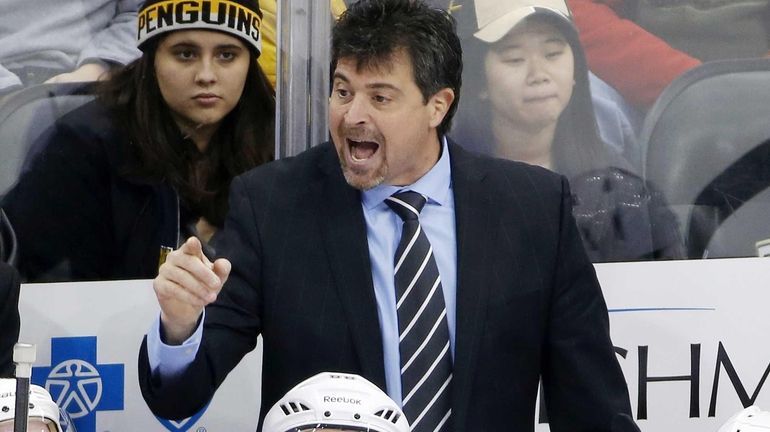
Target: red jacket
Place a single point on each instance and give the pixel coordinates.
(637, 63)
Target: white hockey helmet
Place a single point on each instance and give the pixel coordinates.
(335, 401)
(751, 419)
(44, 414)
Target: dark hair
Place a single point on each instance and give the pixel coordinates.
(577, 146)
(243, 140)
(371, 31)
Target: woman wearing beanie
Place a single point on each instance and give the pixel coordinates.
(132, 174)
(530, 101)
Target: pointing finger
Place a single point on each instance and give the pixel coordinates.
(194, 248)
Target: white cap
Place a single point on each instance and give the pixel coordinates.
(335, 400)
(751, 419)
(495, 18)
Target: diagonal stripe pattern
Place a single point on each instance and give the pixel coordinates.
(426, 360)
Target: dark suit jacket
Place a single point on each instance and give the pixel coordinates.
(9, 317)
(528, 302)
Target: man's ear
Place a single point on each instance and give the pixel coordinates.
(439, 104)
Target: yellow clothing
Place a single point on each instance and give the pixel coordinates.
(338, 6)
(269, 56)
(269, 37)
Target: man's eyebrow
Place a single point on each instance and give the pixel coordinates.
(340, 76)
(378, 86)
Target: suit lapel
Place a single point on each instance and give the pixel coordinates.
(472, 217)
(344, 232)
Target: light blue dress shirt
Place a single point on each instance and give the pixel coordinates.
(383, 231)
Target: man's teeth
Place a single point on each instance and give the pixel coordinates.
(362, 150)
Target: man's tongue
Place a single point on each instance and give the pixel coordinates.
(363, 150)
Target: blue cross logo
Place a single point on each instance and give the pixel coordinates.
(78, 383)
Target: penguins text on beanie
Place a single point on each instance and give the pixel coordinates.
(240, 18)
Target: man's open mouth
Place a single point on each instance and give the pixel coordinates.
(362, 150)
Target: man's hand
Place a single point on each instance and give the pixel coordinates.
(186, 283)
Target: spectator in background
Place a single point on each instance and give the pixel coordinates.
(618, 121)
(58, 41)
(529, 100)
(123, 178)
(640, 46)
(9, 317)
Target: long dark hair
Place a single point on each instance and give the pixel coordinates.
(243, 140)
(577, 147)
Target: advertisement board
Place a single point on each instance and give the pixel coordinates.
(691, 338)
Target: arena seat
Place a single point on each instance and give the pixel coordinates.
(707, 147)
(25, 115)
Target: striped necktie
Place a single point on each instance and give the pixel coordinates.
(426, 361)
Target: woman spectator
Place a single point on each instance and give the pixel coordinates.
(149, 163)
(531, 102)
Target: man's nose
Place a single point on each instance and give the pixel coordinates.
(358, 111)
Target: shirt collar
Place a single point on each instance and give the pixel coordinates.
(435, 184)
